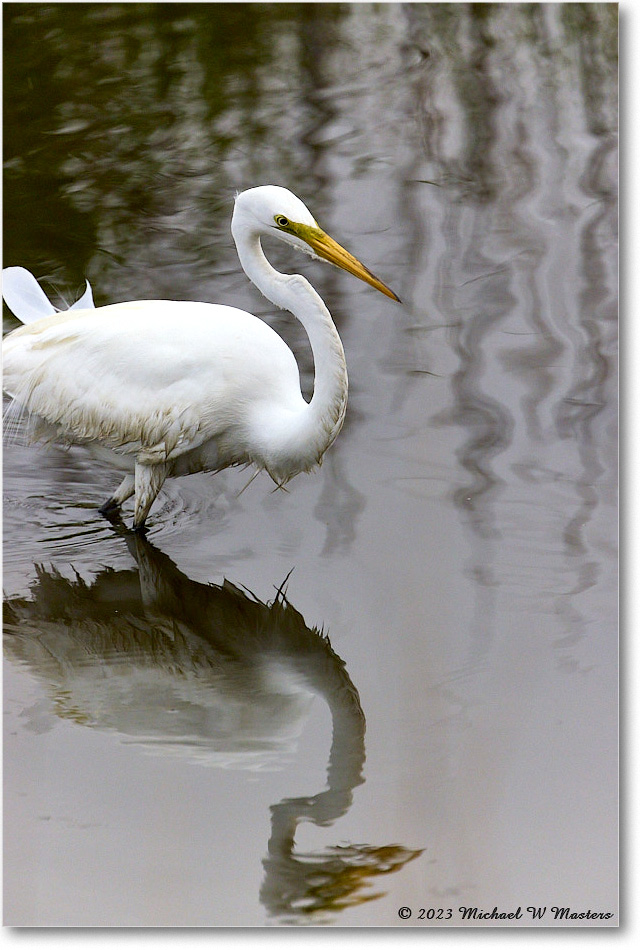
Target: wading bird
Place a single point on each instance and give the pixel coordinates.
(167, 388)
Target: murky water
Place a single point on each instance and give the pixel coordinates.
(395, 684)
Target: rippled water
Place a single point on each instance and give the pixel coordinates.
(396, 684)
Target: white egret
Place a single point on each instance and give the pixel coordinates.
(167, 388)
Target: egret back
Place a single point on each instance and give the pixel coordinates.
(152, 374)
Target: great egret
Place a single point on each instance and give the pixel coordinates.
(171, 388)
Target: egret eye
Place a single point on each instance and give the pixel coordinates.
(281, 220)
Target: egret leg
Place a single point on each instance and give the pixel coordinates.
(124, 491)
(148, 482)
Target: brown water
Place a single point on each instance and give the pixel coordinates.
(183, 743)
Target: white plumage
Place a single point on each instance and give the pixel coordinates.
(168, 388)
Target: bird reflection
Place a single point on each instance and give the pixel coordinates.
(210, 673)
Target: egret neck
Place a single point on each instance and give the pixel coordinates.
(321, 419)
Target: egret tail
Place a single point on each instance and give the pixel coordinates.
(26, 299)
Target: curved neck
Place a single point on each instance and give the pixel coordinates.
(325, 413)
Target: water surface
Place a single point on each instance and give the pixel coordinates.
(395, 684)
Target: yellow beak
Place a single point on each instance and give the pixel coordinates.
(327, 248)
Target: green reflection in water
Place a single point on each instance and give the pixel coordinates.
(119, 120)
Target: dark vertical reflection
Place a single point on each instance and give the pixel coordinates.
(476, 295)
(581, 413)
(319, 34)
(472, 291)
(478, 289)
(525, 285)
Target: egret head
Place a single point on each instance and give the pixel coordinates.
(270, 209)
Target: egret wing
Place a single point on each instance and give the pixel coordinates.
(161, 376)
